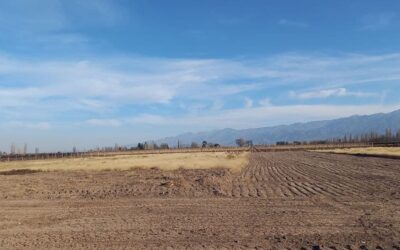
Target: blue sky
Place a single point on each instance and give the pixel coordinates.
(95, 73)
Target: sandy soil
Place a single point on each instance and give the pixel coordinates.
(282, 200)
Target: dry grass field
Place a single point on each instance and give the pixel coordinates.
(278, 200)
(373, 151)
(234, 161)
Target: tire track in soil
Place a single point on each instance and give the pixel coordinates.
(305, 174)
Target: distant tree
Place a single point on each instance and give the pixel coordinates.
(12, 150)
(164, 146)
(398, 135)
(149, 145)
(194, 145)
(388, 134)
(140, 146)
(240, 142)
(204, 144)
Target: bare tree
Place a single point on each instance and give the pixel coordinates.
(240, 142)
(194, 145)
(164, 146)
(12, 150)
(149, 145)
(388, 134)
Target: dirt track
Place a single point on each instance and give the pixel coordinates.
(281, 200)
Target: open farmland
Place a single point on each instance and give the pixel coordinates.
(193, 160)
(367, 151)
(276, 200)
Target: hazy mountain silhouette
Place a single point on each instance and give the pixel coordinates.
(317, 130)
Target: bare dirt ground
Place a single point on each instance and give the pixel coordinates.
(281, 200)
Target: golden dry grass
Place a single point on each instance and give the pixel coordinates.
(199, 160)
(384, 151)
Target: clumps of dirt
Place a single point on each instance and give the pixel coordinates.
(184, 182)
(19, 172)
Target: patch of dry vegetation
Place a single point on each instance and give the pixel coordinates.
(378, 151)
(199, 160)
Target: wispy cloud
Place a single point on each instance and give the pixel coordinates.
(261, 116)
(248, 103)
(334, 71)
(104, 122)
(27, 125)
(55, 23)
(291, 23)
(325, 93)
(378, 21)
(98, 86)
(264, 102)
(106, 85)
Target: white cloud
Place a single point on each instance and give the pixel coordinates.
(28, 125)
(325, 93)
(261, 116)
(106, 85)
(55, 24)
(264, 102)
(248, 103)
(104, 122)
(148, 119)
(55, 15)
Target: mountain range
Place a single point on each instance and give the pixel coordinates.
(316, 130)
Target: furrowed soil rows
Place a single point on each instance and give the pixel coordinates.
(281, 200)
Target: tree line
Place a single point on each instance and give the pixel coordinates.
(387, 137)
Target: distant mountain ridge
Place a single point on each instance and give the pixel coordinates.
(316, 130)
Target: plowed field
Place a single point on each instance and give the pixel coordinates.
(281, 200)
